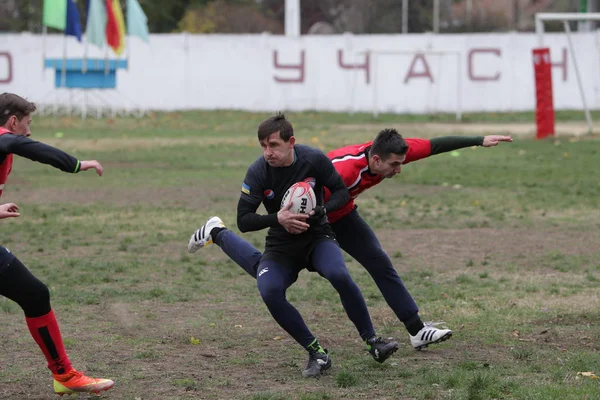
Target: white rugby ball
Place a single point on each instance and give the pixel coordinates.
(302, 196)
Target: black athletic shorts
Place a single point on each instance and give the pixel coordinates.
(5, 258)
(297, 252)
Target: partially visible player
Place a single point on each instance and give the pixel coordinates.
(362, 166)
(16, 281)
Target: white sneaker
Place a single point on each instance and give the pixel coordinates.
(201, 238)
(429, 335)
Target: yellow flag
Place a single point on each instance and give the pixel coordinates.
(118, 12)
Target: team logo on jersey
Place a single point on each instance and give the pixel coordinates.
(269, 194)
(245, 188)
(311, 181)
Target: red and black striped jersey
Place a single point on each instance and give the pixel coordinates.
(352, 163)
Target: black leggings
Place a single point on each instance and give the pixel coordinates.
(20, 285)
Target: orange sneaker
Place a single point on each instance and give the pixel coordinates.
(77, 382)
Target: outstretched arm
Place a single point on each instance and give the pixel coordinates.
(449, 143)
(423, 148)
(493, 140)
(45, 154)
(85, 165)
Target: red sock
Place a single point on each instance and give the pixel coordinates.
(46, 334)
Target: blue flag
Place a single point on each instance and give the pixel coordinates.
(137, 23)
(73, 24)
(95, 31)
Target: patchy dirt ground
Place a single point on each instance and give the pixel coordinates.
(165, 337)
(146, 346)
(451, 248)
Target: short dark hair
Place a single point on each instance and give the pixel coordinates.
(388, 142)
(276, 123)
(12, 104)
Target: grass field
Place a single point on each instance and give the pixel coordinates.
(502, 244)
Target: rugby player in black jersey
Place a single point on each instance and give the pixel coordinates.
(16, 281)
(298, 241)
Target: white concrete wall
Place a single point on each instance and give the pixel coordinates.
(394, 73)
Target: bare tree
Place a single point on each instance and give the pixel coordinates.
(228, 17)
(358, 16)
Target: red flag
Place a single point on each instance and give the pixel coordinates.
(113, 38)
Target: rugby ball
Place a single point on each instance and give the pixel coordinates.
(302, 196)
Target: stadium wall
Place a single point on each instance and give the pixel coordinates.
(387, 73)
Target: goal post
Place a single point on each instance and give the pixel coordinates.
(540, 18)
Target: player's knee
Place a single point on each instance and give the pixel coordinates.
(339, 278)
(377, 263)
(39, 293)
(36, 302)
(374, 256)
(42, 293)
(381, 269)
(271, 293)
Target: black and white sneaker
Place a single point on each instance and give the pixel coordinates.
(381, 349)
(201, 238)
(430, 335)
(317, 364)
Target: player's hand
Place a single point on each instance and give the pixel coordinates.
(9, 210)
(317, 214)
(85, 165)
(493, 140)
(293, 223)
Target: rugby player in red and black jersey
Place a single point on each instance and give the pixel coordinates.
(16, 281)
(361, 167)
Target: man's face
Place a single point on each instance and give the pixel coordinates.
(277, 152)
(388, 168)
(21, 127)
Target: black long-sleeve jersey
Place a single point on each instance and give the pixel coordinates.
(267, 185)
(36, 151)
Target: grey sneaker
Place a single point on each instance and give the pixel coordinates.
(317, 364)
(381, 349)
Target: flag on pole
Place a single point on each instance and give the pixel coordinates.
(116, 5)
(73, 26)
(112, 28)
(96, 23)
(55, 14)
(137, 22)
